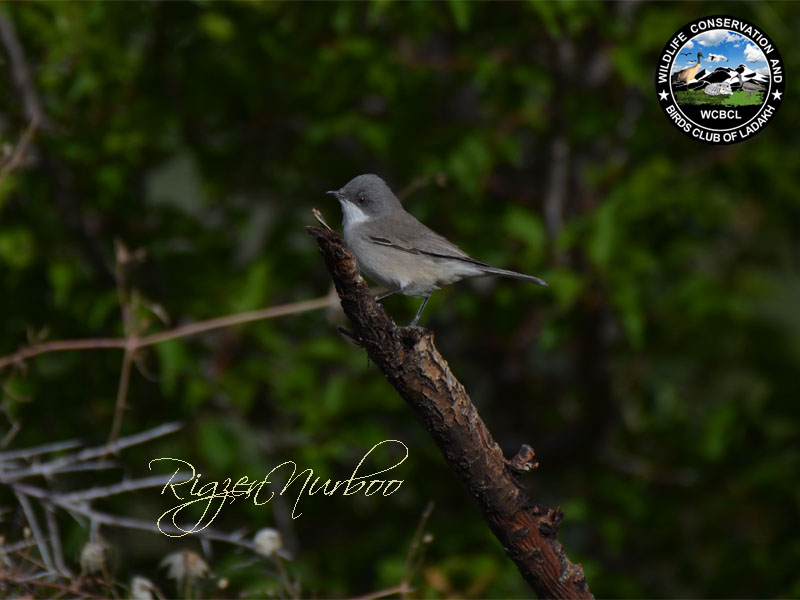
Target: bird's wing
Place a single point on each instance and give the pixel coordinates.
(409, 235)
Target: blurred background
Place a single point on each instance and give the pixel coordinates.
(656, 378)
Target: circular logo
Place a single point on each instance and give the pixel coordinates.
(720, 79)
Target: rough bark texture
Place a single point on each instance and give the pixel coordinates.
(413, 365)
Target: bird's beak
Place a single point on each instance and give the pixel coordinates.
(337, 194)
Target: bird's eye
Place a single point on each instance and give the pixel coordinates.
(362, 199)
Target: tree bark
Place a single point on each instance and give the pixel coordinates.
(412, 364)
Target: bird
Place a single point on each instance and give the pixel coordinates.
(397, 251)
(687, 74)
(750, 86)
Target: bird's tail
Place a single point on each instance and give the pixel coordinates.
(513, 275)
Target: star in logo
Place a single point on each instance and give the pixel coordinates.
(777, 95)
(663, 95)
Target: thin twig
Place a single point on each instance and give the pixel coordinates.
(55, 541)
(115, 446)
(16, 424)
(61, 346)
(401, 589)
(117, 488)
(420, 182)
(291, 588)
(318, 216)
(69, 462)
(23, 453)
(236, 319)
(33, 470)
(128, 441)
(408, 572)
(130, 328)
(10, 548)
(77, 592)
(76, 503)
(171, 334)
(23, 491)
(39, 575)
(19, 151)
(30, 516)
(122, 393)
(21, 74)
(236, 538)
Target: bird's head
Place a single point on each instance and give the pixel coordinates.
(366, 197)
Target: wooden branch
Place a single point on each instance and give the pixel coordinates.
(413, 365)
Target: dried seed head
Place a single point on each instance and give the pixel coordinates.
(268, 541)
(185, 565)
(142, 588)
(93, 557)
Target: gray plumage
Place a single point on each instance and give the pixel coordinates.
(397, 251)
(750, 86)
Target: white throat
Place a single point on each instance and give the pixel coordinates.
(353, 215)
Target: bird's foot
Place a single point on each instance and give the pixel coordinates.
(352, 336)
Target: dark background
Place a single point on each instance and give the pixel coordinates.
(657, 376)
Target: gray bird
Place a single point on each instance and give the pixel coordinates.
(397, 251)
(750, 86)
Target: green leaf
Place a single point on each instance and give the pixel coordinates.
(61, 276)
(460, 10)
(217, 26)
(17, 247)
(172, 359)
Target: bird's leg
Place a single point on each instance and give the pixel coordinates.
(389, 293)
(419, 312)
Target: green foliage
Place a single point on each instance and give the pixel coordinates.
(656, 376)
